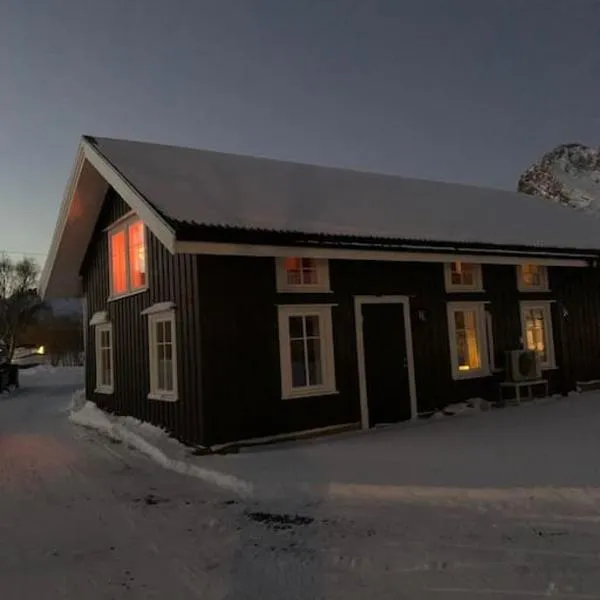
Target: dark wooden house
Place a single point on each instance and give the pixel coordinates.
(231, 297)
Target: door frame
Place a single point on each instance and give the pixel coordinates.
(360, 351)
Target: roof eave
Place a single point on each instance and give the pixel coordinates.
(84, 195)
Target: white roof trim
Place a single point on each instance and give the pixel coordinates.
(99, 318)
(61, 222)
(138, 203)
(158, 308)
(84, 194)
(223, 249)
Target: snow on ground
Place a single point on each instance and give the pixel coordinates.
(39, 369)
(515, 456)
(154, 443)
(84, 517)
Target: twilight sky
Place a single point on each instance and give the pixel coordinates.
(458, 90)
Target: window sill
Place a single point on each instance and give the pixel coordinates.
(309, 393)
(457, 290)
(162, 397)
(533, 290)
(471, 375)
(549, 367)
(104, 390)
(127, 294)
(304, 290)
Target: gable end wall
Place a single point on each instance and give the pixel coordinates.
(170, 278)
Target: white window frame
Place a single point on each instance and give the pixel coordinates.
(99, 329)
(122, 225)
(321, 286)
(523, 287)
(477, 278)
(482, 339)
(323, 311)
(155, 317)
(546, 307)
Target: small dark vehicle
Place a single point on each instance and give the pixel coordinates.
(9, 373)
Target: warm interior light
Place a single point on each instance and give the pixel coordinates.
(41, 350)
(464, 368)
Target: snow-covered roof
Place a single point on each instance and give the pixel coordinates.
(172, 189)
(212, 188)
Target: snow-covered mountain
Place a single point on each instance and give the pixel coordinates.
(569, 174)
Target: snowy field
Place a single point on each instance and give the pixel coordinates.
(81, 517)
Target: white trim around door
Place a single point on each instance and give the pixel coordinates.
(360, 348)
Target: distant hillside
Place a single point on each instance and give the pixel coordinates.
(569, 174)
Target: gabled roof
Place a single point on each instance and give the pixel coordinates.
(181, 193)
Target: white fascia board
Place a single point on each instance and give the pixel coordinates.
(131, 196)
(225, 249)
(61, 221)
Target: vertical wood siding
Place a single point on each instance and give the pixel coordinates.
(228, 348)
(170, 278)
(578, 308)
(238, 306)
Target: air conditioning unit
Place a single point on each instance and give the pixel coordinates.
(522, 365)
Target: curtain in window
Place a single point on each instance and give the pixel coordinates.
(535, 331)
(467, 343)
(118, 259)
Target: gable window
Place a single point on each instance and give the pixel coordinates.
(468, 337)
(306, 351)
(536, 324)
(295, 274)
(127, 257)
(104, 359)
(163, 354)
(463, 277)
(532, 278)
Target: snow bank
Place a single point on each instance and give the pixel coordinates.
(153, 442)
(38, 370)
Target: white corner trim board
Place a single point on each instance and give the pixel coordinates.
(158, 308)
(99, 318)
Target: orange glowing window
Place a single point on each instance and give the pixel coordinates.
(137, 255)
(118, 262)
(301, 271)
(127, 257)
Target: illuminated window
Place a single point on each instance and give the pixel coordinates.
(163, 355)
(296, 274)
(532, 278)
(104, 359)
(306, 351)
(127, 257)
(536, 322)
(137, 255)
(118, 262)
(463, 277)
(468, 339)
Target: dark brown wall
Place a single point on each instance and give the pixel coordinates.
(578, 311)
(170, 278)
(227, 324)
(241, 351)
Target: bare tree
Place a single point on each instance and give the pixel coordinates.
(19, 300)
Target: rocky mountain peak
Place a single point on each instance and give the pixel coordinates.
(569, 174)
